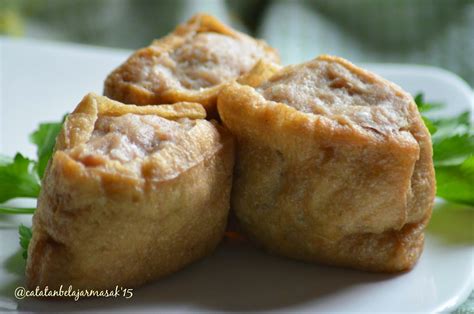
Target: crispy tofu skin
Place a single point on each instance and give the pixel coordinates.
(190, 64)
(131, 194)
(334, 165)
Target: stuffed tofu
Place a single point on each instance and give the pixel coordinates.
(190, 64)
(334, 165)
(132, 193)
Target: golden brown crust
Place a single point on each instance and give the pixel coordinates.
(261, 72)
(320, 189)
(98, 227)
(79, 125)
(123, 85)
(423, 184)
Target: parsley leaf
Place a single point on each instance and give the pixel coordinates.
(456, 182)
(45, 139)
(453, 154)
(450, 126)
(424, 106)
(25, 237)
(430, 125)
(452, 150)
(18, 178)
(16, 210)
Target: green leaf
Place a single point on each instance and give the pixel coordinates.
(18, 178)
(425, 106)
(16, 210)
(452, 150)
(456, 182)
(453, 142)
(430, 125)
(25, 237)
(453, 157)
(457, 125)
(422, 107)
(45, 138)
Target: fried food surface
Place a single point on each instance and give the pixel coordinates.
(131, 194)
(334, 165)
(190, 64)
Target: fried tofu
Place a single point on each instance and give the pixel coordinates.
(131, 194)
(334, 165)
(190, 64)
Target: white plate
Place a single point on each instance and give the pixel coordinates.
(41, 81)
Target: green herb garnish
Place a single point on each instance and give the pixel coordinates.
(453, 154)
(20, 176)
(25, 237)
(45, 138)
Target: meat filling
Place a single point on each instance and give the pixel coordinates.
(130, 138)
(205, 60)
(330, 89)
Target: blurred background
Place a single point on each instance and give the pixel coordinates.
(432, 32)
